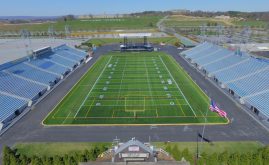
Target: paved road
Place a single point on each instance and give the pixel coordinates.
(30, 129)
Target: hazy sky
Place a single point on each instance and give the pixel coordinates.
(78, 7)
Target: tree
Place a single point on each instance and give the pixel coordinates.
(202, 159)
(103, 148)
(177, 44)
(6, 155)
(90, 15)
(176, 153)
(79, 157)
(66, 159)
(244, 159)
(24, 160)
(72, 161)
(168, 148)
(187, 155)
(13, 159)
(47, 160)
(257, 159)
(36, 161)
(234, 159)
(69, 17)
(87, 155)
(57, 160)
(265, 154)
(96, 151)
(213, 159)
(223, 157)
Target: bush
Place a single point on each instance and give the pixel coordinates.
(10, 157)
(177, 44)
(261, 157)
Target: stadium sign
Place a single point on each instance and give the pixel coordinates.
(135, 155)
(133, 148)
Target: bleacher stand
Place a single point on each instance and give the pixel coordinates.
(24, 81)
(243, 75)
(9, 108)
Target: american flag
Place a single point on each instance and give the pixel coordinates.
(222, 113)
(214, 108)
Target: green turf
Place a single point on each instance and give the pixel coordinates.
(143, 22)
(134, 88)
(262, 24)
(189, 21)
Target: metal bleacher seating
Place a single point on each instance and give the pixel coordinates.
(73, 51)
(224, 63)
(249, 85)
(20, 87)
(49, 65)
(260, 101)
(30, 72)
(240, 72)
(249, 66)
(8, 107)
(24, 81)
(62, 60)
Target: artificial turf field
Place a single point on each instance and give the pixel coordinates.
(134, 88)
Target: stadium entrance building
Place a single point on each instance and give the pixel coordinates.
(135, 44)
(134, 151)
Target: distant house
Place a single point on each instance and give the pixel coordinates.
(101, 16)
(223, 17)
(180, 11)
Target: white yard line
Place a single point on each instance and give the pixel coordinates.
(149, 84)
(178, 86)
(122, 75)
(66, 117)
(92, 87)
(89, 108)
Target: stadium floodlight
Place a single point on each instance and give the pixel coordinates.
(51, 33)
(219, 30)
(25, 35)
(228, 34)
(203, 29)
(67, 30)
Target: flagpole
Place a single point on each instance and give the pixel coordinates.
(204, 125)
(197, 148)
(203, 132)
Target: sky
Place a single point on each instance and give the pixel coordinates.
(81, 7)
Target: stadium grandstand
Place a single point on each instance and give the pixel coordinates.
(24, 81)
(244, 76)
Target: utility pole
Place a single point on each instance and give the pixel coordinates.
(197, 146)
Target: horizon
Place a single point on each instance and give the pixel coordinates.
(41, 8)
(127, 13)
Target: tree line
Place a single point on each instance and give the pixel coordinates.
(12, 157)
(259, 157)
